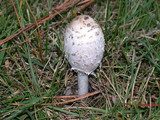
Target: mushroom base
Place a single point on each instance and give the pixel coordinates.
(82, 83)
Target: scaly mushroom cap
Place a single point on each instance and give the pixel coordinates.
(84, 44)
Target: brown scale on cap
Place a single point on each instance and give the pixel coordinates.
(86, 17)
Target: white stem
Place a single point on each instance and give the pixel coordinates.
(82, 83)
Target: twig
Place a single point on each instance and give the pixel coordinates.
(77, 97)
(43, 19)
(143, 105)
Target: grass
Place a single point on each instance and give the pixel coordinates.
(129, 72)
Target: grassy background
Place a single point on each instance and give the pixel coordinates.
(129, 72)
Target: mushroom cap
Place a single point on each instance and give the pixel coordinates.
(84, 44)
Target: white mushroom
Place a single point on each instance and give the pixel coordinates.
(84, 47)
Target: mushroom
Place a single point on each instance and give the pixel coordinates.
(84, 48)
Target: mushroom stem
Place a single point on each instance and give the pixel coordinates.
(82, 83)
